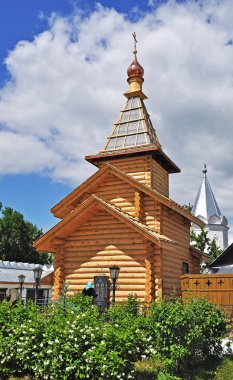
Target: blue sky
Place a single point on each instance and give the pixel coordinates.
(34, 194)
(54, 109)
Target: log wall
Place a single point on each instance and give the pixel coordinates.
(146, 170)
(137, 167)
(131, 201)
(100, 243)
(159, 178)
(119, 193)
(177, 228)
(58, 275)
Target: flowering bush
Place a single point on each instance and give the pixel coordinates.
(186, 334)
(73, 341)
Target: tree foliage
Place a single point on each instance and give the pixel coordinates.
(204, 244)
(188, 208)
(17, 237)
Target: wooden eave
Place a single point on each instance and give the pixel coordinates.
(63, 207)
(48, 279)
(156, 152)
(83, 213)
(198, 254)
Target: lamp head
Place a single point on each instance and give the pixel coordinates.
(21, 278)
(114, 272)
(37, 273)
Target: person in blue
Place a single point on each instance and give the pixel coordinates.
(89, 290)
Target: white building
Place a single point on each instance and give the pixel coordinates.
(9, 278)
(206, 208)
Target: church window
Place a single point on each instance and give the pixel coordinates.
(133, 126)
(135, 102)
(141, 139)
(120, 142)
(130, 140)
(111, 143)
(142, 126)
(122, 129)
(125, 116)
(185, 268)
(135, 114)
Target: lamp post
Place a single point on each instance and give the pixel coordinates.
(21, 278)
(114, 273)
(37, 276)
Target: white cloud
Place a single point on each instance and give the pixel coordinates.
(65, 93)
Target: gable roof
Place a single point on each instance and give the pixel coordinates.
(226, 258)
(82, 213)
(62, 208)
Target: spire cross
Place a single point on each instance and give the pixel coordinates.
(205, 170)
(135, 44)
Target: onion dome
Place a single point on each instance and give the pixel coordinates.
(135, 69)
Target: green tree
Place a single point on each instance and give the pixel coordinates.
(188, 208)
(213, 250)
(204, 244)
(17, 237)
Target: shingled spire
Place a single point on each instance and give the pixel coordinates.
(207, 209)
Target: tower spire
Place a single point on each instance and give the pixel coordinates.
(204, 171)
(133, 128)
(135, 75)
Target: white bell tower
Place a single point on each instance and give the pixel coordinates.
(206, 208)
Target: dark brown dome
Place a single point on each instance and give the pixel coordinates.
(135, 69)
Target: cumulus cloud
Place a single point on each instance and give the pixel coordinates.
(65, 92)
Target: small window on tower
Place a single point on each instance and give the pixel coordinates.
(125, 116)
(185, 268)
(133, 126)
(111, 144)
(135, 102)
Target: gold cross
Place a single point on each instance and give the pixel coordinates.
(135, 44)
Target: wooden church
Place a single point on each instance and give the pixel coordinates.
(122, 215)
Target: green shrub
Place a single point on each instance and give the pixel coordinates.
(186, 334)
(71, 340)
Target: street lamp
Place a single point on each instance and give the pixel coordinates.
(114, 273)
(37, 276)
(21, 278)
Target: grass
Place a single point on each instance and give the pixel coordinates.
(211, 370)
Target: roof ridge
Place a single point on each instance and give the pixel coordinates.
(134, 219)
(151, 189)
